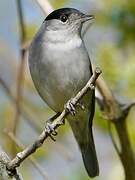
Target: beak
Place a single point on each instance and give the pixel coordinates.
(85, 18)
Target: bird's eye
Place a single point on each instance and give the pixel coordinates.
(63, 18)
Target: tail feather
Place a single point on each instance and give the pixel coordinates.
(90, 158)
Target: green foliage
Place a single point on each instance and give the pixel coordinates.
(99, 121)
(108, 59)
(79, 174)
(131, 128)
(117, 59)
(30, 31)
(128, 75)
(121, 15)
(58, 3)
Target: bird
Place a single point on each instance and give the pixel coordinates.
(60, 67)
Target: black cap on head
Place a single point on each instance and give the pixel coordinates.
(63, 11)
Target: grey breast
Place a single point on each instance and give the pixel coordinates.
(58, 75)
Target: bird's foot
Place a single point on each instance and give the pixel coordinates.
(69, 106)
(49, 129)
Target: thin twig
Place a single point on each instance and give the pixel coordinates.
(32, 159)
(20, 157)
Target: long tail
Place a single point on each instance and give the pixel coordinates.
(89, 157)
(81, 125)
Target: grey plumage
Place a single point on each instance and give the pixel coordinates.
(60, 67)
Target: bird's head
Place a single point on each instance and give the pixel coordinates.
(66, 22)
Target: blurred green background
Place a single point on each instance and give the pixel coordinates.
(111, 44)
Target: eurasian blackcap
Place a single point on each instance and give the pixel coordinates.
(60, 67)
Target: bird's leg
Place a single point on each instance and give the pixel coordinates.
(69, 106)
(49, 126)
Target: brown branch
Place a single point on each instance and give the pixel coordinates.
(126, 155)
(20, 157)
(117, 113)
(21, 65)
